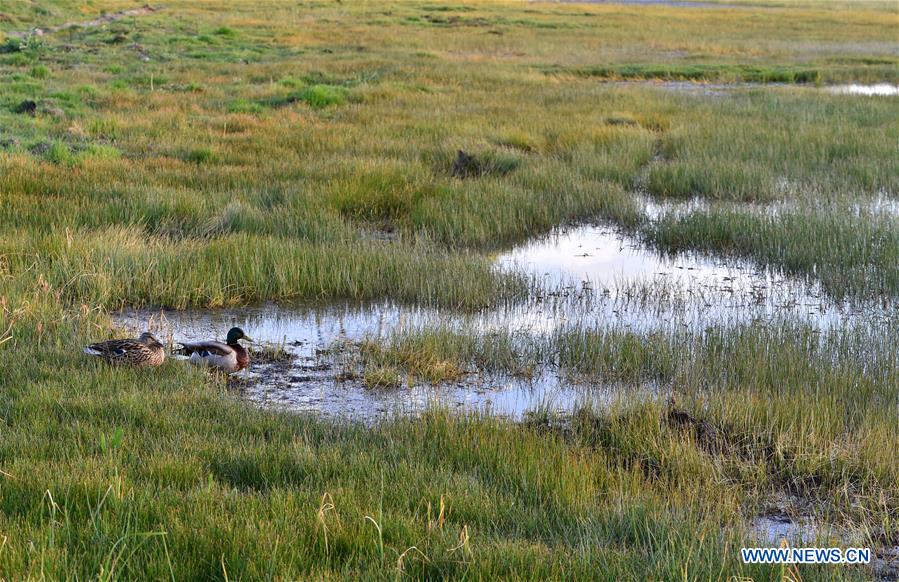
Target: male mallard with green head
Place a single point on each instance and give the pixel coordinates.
(229, 356)
(145, 351)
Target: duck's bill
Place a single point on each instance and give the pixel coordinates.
(248, 339)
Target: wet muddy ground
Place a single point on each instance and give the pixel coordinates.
(778, 528)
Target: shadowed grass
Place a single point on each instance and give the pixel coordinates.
(700, 72)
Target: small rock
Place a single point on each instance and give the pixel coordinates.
(54, 112)
(678, 417)
(27, 107)
(707, 436)
(40, 148)
(466, 166)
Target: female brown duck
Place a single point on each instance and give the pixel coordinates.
(145, 351)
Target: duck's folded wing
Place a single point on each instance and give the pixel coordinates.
(206, 349)
(113, 348)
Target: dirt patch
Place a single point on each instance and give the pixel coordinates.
(439, 20)
(706, 434)
(468, 165)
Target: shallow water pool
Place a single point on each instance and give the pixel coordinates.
(590, 275)
(878, 89)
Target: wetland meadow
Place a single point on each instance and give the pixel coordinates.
(539, 290)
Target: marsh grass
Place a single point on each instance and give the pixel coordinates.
(219, 154)
(320, 96)
(381, 377)
(170, 468)
(110, 268)
(707, 180)
(751, 381)
(418, 360)
(850, 255)
(700, 72)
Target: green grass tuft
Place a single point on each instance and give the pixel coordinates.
(59, 153)
(321, 96)
(200, 156)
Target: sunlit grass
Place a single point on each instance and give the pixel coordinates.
(227, 153)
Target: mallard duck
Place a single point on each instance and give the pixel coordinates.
(229, 356)
(145, 351)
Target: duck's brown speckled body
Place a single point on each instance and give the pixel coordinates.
(145, 351)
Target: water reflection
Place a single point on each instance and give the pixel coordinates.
(878, 89)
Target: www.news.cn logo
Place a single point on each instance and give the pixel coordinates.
(806, 555)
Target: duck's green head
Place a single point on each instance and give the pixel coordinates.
(235, 333)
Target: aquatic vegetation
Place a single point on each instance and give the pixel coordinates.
(856, 256)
